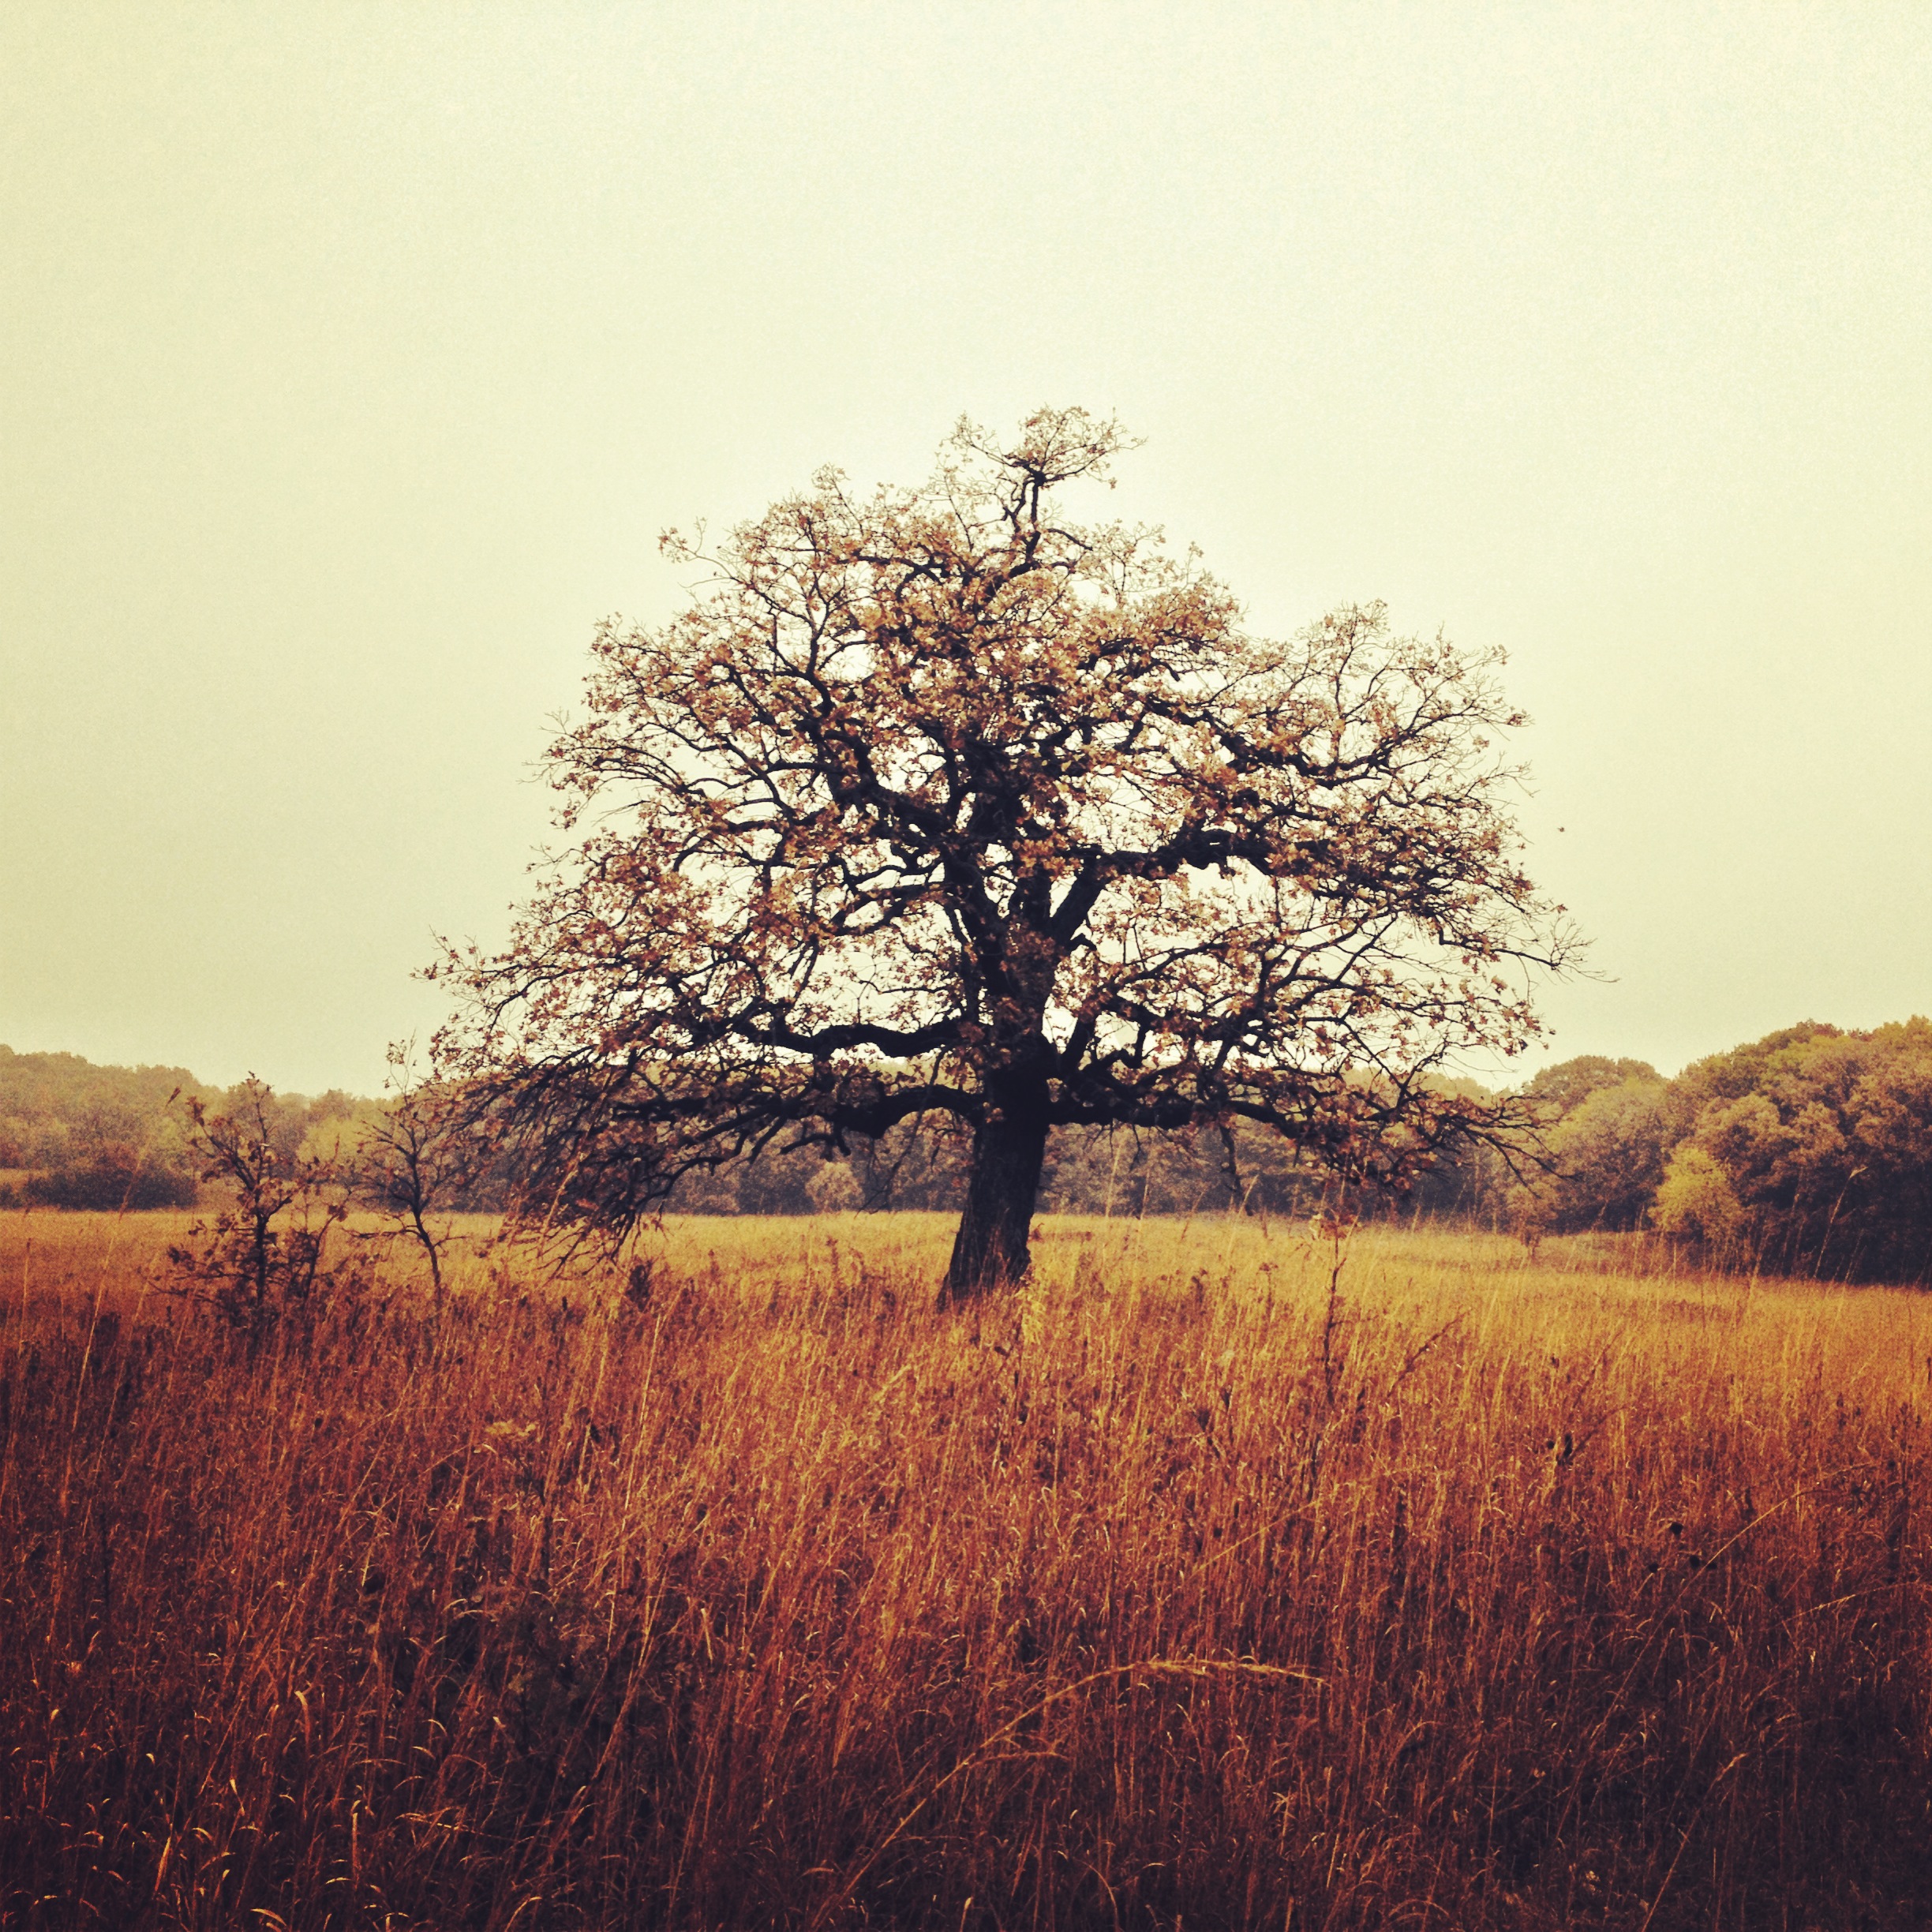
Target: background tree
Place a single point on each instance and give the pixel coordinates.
(936, 803)
(1696, 1203)
(1606, 1129)
(1822, 1141)
(414, 1159)
(264, 1257)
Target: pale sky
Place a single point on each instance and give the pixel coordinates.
(353, 356)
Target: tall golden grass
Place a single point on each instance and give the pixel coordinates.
(1227, 1578)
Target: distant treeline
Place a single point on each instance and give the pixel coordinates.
(1807, 1152)
(1088, 1170)
(78, 1136)
(75, 1135)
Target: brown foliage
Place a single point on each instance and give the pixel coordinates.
(936, 803)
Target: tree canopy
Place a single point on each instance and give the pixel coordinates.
(1806, 1152)
(934, 804)
(1812, 1149)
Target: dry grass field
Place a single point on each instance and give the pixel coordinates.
(1204, 1586)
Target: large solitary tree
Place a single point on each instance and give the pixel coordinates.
(935, 803)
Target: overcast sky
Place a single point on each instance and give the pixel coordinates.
(354, 356)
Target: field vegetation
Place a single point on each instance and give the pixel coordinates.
(1231, 1574)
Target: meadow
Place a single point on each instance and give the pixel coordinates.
(1231, 1575)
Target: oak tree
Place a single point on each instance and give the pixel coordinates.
(935, 803)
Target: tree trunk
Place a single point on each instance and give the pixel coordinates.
(1010, 1148)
